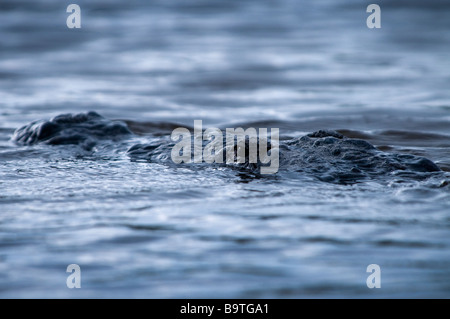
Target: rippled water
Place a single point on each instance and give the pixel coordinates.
(151, 229)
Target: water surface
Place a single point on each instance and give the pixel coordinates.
(148, 229)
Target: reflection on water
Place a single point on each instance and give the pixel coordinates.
(141, 229)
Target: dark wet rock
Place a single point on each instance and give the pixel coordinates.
(153, 152)
(444, 183)
(326, 155)
(84, 129)
(335, 158)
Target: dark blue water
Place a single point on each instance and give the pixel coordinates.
(143, 227)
